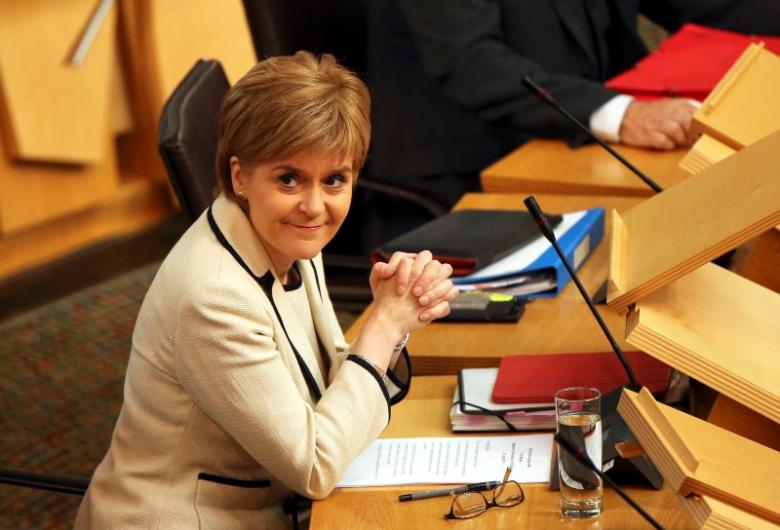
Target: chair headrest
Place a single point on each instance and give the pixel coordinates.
(189, 132)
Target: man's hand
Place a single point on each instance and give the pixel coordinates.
(661, 124)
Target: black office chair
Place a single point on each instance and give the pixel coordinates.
(189, 132)
(60, 484)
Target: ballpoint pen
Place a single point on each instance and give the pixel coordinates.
(477, 486)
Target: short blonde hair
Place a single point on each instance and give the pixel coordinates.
(288, 104)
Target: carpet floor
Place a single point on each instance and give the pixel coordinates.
(62, 368)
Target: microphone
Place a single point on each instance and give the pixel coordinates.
(614, 428)
(547, 232)
(542, 94)
(581, 456)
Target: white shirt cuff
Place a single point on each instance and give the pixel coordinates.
(605, 120)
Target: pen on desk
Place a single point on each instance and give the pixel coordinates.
(477, 486)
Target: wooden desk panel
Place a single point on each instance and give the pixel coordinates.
(424, 413)
(562, 324)
(551, 166)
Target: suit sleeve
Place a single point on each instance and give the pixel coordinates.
(462, 48)
(228, 362)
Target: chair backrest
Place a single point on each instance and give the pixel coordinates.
(189, 133)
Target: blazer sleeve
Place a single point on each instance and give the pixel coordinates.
(462, 49)
(400, 378)
(228, 362)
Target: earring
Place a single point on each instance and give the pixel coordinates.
(241, 194)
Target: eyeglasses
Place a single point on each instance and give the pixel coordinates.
(471, 504)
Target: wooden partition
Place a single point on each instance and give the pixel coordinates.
(740, 110)
(687, 225)
(78, 151)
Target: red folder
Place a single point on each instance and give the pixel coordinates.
(536, 378)
(687, 64)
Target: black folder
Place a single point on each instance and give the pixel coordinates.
(468, 240)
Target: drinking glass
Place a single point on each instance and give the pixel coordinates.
(578, 414)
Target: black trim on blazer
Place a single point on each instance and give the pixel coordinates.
(403, 389)
(234, 481)
(225, 243)
(316, 278)
(371, 370)
(266, 282)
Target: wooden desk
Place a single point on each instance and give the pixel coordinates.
(424, 413)
(551, 166)
(551, 325)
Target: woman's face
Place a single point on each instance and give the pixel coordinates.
(296, 204)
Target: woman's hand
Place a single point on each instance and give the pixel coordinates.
(428, 279)
(397, 309)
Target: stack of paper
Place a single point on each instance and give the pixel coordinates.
(474, 410)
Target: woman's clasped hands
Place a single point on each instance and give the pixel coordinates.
(413, 289)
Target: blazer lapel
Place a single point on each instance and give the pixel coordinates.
(323, 324)
(295, 331)
(241, 237)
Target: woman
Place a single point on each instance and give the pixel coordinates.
(240, 388)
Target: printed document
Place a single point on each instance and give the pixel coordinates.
(447, 460)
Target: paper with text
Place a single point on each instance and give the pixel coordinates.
(396, 461)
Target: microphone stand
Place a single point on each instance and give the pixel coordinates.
(614, 429)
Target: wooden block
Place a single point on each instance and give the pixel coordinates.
(36, 193)
(746, 422)
(732, 469)
(712, 514)
(762, 262)
(53, 111)
(720, 329)
(168, 36)
(160, 40)
(704, 153)
(586, 170)
(696, 220)
(743, 106)
(137, 205)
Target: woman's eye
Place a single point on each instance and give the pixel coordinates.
(334, 181)
(288, 179)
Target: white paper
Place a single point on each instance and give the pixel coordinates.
(451, 460)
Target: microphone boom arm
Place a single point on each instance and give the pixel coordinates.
(548, 233)
(542, 94)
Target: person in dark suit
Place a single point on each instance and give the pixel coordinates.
(445, 78)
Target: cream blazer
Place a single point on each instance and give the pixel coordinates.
(219, 424)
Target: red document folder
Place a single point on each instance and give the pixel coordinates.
(536, 378)
(687, 64)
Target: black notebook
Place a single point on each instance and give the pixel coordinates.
(469, 240)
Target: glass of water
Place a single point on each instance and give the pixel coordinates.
(578, 411)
